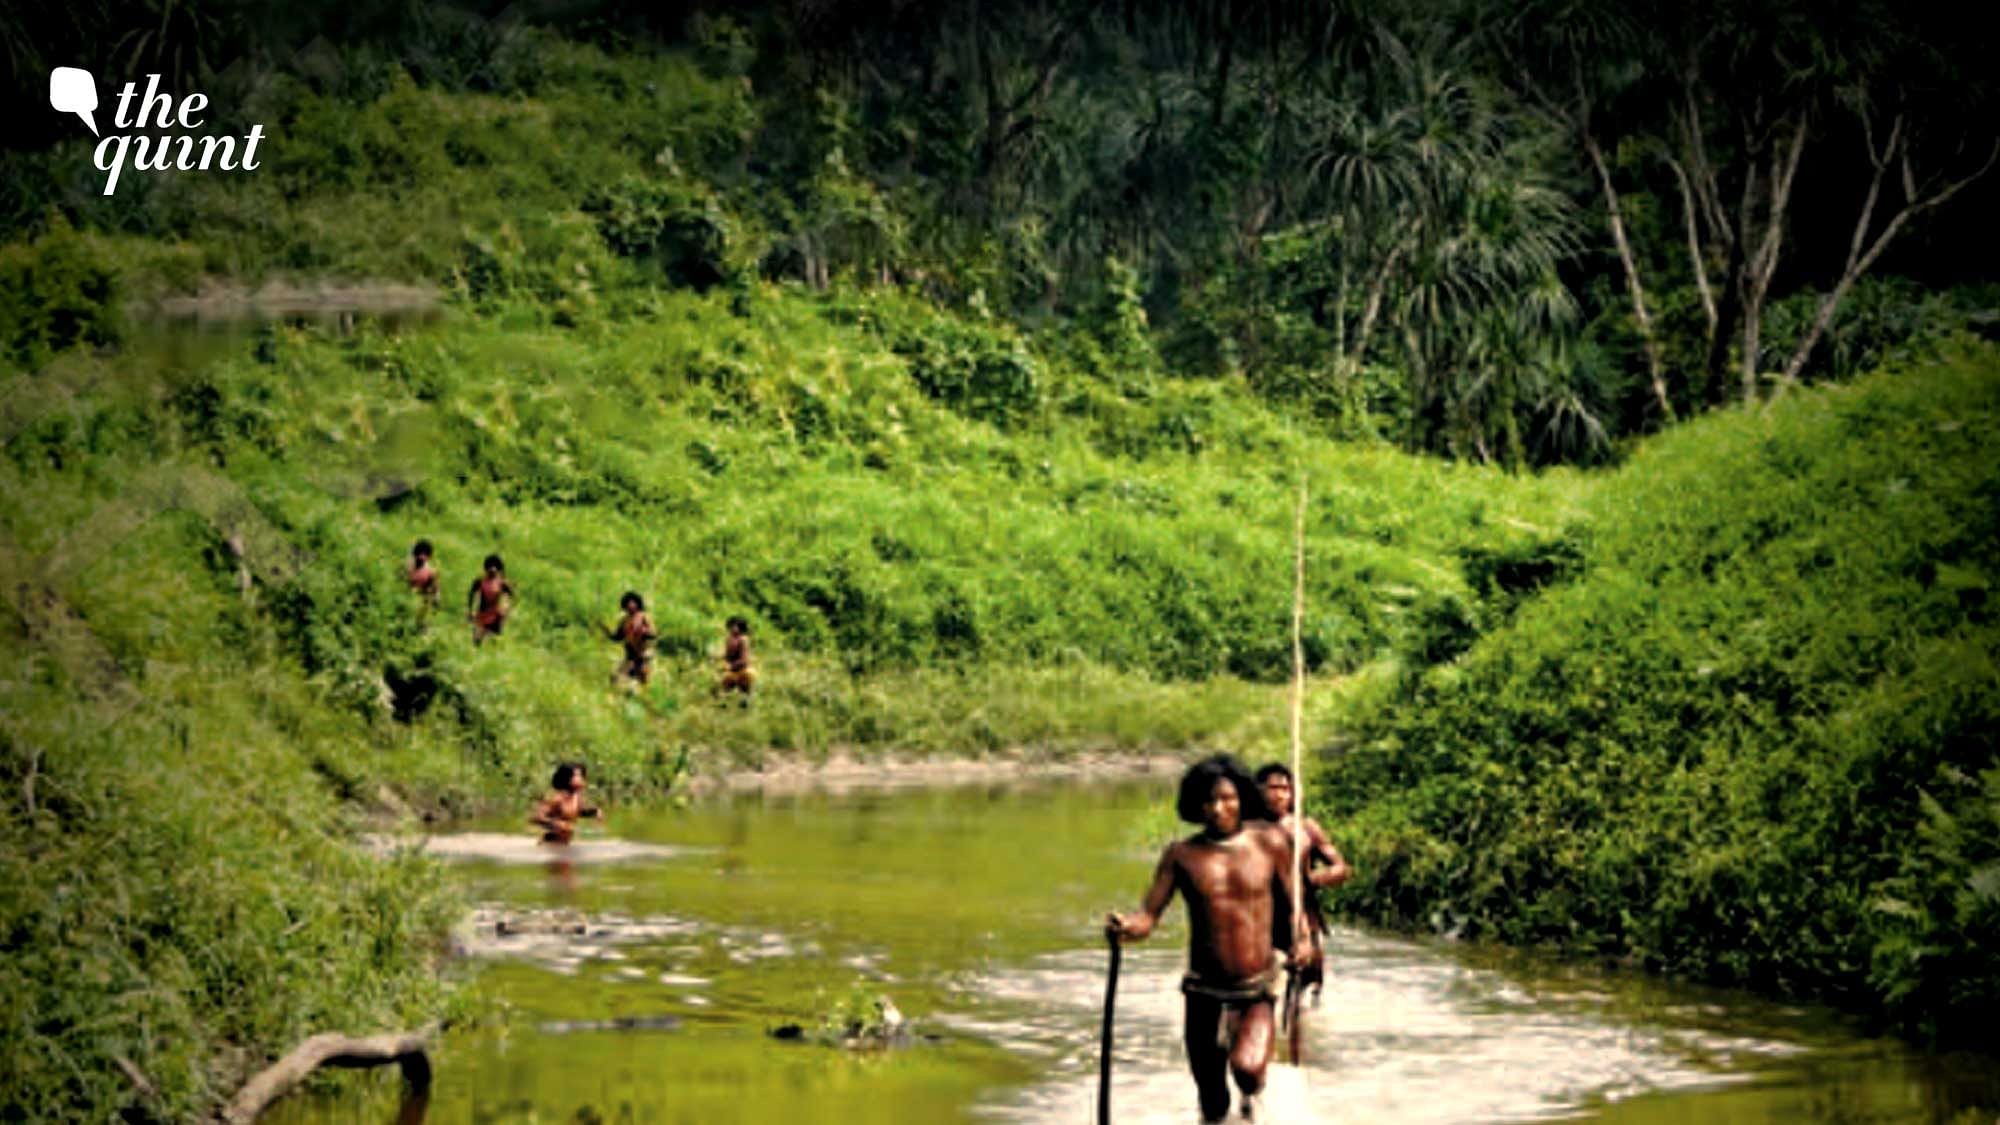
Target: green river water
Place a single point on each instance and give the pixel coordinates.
(975, 910)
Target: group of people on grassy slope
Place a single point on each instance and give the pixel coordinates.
(487, 603)
(1239, 877)
(490, 600)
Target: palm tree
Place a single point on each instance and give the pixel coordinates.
(1449, 239)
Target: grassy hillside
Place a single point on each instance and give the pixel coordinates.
(917, 578)
(1746, 732)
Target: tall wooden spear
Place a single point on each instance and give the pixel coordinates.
(1291, 1010)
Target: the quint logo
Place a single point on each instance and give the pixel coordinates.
(73, 90)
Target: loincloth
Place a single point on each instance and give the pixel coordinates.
(1235, 993)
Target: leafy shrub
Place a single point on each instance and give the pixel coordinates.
(679, 227)
(983, 373)
(55, 293)
(1883, 320)
(1744, 742)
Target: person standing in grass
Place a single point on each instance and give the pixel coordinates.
(737, 674)
(422, 573)
(490, 600)
(1321, 866)
(1236, 875)
(635, 630)
(558, 813)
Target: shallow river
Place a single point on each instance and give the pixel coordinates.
(975, 911)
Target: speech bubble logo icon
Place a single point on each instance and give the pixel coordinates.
(73, 90)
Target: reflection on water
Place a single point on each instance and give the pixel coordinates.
(975, 910)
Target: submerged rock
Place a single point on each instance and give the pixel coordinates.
(621, 1023)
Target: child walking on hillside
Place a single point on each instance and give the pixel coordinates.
(490, 600)
(636, 631)
(737, 674)
(422, 573)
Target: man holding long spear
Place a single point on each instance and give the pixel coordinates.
(1321, 866)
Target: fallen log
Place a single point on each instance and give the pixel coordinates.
(405, 1049)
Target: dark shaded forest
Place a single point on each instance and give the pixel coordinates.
(1509, 233)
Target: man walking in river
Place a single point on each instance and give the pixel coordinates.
(1321, 865)
(1236, 876)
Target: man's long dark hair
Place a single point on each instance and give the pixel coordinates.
(1199, 782)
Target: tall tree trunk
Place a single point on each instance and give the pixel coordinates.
(1704, 201)
(1696, 265)
(1728, 312)
(1762, 263)
(1648, 339)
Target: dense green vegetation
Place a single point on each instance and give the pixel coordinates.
(1745, 729)
(180, 894)
(1503, 232)
(982, 386)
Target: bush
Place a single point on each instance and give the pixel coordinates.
(1883, 320)
(1746, 738)
(983, 373)
(55, 293)
(678, 227)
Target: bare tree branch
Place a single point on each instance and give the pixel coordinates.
(1859, 260)
(1695, 263)
(1647, 340)
(406, 1049)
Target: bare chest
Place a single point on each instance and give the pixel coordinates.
(1233, 871)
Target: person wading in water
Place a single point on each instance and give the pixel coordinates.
(1321, 865)
(1236, 876)
(558, 813)
(490, 600)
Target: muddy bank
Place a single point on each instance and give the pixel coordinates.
(221, 301)
(389, 809)
(843, 773)
(525, 847)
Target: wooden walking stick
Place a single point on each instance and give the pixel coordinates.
(1104, 1043)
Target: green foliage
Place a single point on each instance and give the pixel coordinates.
(1742, 732)
(209, 550)
(182, 900)
(981, 372)
(55, 292)
(1116, 322)
(678, 226)
(1721, 713)
(858, 1016)
(1882, 321)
